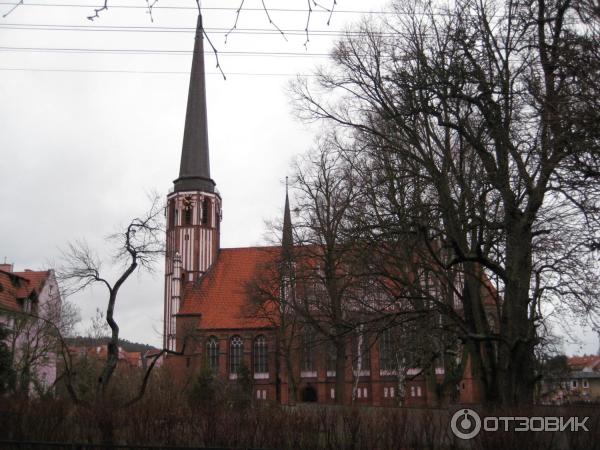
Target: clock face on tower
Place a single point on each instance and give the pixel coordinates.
(188, 202)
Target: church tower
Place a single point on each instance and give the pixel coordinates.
(194, 206)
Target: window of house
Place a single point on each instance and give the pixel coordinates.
(385, 392)
(419, 393)
(205, 210)
(331, 359)
(261, 357)
(212, 353)
(188, 216)
(585, 384)
(391, 392)
(412, 391)
(386, 360)
(261, 394)
(574, 383)
(171, 215)
(308, 350)
(332, 393)
(236, 353)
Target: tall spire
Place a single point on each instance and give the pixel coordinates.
(287, 238)
(194, 171)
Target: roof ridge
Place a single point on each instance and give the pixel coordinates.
(257, 247)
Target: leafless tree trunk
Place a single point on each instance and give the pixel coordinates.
(138, 246)
(480, 112)
(326, 270)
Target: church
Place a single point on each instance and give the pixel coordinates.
(208, 313)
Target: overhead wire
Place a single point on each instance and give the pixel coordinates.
(163, 29)
(166, 29)
(155, 51)
(204, 8)
(150, 72)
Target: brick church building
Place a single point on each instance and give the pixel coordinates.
(208, 310)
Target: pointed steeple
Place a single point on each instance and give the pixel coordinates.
(194, 171)
(287, 238)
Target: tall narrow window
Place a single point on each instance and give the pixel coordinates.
(365, 353)
(187, 209)
(331, 359)
(205, 211)
(171, 214)
(386, 361)
(261, 357)
(236, 353)
(212, 353)
(308, 350)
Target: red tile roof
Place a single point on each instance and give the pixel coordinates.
(16, 286)
(9, 284)
(581, 362)
(222, 296)
(100, 353)
(36, 281)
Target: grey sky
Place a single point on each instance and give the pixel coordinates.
(84, 135)
(81, 147)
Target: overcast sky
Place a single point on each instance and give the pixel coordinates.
(92, 115)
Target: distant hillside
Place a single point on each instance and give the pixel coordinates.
(81, 341)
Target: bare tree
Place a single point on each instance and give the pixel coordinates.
(137, 247)
(272, 293)
(326, 275)
(36, 341)
(487, 111)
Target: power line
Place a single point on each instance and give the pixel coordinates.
(150, 72)
(162, 29)
(204, 8)
(153, 51)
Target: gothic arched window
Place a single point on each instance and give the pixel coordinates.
(308, 350)
(206, 211)
(236, 353)
(212, 353)
(261, 358)
(386, 357)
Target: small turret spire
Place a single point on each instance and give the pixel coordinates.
(194, 171)
(287, 238)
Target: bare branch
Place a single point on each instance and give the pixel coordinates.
(218, 66)
(150, 6)
(237, 17)
(307, 24)
(19, 3)
(98, 11)
(271, 22)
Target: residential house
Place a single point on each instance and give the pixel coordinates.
(30, 308)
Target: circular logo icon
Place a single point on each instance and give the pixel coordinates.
(465, 424)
